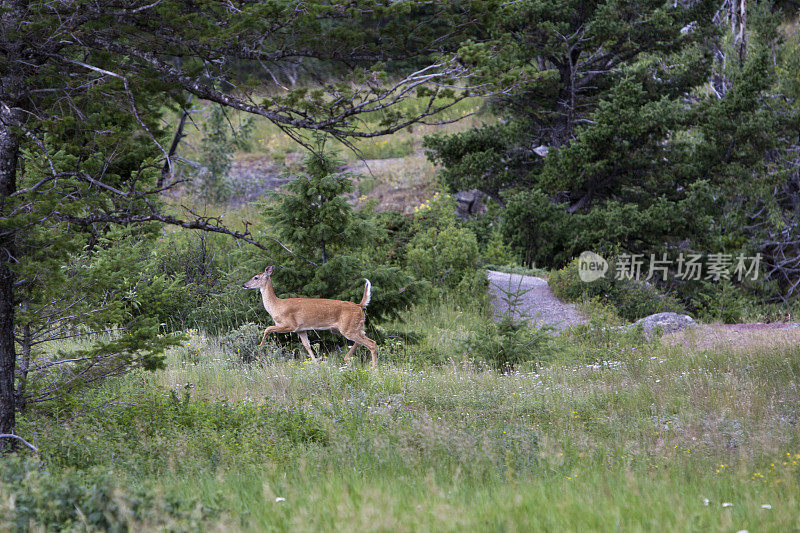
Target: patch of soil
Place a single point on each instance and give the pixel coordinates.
(736, 337)
(398, 184)
(252, 177)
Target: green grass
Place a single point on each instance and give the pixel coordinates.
(615, 433)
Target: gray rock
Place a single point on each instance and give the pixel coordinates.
(469, 203)
(541, 151)
(530, 297)
(667, 322)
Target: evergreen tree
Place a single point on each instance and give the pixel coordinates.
(651, 127)
(332, 245)
(607, 80)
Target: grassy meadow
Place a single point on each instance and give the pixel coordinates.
(651, 144)
(599, 430)
(607, 431)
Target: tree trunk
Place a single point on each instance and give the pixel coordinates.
(739, 27)
(9, 150)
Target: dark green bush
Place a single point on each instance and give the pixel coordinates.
(333, 246)
(631, 299)
(191, 258)
(722, 302)
(539, 231)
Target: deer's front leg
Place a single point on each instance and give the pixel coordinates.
(274, 329)
(304, 339)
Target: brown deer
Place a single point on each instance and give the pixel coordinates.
(300, 315)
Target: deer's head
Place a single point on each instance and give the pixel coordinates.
(260, 279)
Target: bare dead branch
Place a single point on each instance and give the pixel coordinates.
(23, 441)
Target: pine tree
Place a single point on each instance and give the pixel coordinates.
(331, 243)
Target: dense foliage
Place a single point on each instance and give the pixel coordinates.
(650, 127)
(130, 365)
(85, 89)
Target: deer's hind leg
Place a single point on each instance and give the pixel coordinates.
(350, 352)
(361, 338)
(304, 339)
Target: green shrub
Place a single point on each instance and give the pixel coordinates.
(473, 290)
(539, 231)
(631, 299)
(33, 497)
(497, 251)
(722, 302)
(443, 257)
(395, 231)
(333, 245)
(192, 259)
(230, 307)
(439, 212)
(507, 343)
(243, 342)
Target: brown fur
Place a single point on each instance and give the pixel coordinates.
(300, 315)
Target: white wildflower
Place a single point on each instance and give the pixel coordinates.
(766, 506)
(280, 499)
(727, 504)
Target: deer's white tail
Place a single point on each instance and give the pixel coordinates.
(367, 294)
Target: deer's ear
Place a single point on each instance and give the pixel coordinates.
(269, 270)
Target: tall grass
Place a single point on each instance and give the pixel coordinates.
(616, 433)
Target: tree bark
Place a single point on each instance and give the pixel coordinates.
(9, 151)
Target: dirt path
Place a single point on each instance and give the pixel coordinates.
(534, 300)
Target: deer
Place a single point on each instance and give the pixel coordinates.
(300, 315)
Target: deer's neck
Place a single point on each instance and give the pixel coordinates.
(268, 297)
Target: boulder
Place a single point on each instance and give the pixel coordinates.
(667, 322)
(469, 203)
